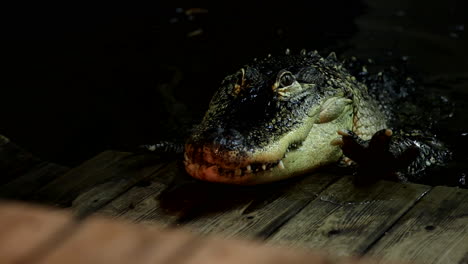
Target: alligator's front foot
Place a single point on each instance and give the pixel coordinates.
(376, 158)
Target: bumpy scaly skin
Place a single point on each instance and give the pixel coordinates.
(394, 156)
(278, 117)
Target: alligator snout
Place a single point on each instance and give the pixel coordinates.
(225, 139)
(223, 147)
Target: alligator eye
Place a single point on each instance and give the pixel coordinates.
(286, 85)
(286, 80)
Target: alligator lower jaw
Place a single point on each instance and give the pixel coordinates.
(248, 174)
(248, 170)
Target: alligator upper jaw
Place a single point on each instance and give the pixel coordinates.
(211, 163)
(208, 164)
(247, 172)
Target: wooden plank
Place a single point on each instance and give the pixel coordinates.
(64, 189)
(434, 231)
(142, 202)
(346, 219)
(26, 230)
(260, 210)
(122, 167)
(134, 203)
(100, 195)
(240, 251)
(22, 173)
(14, 161)
(24, 186)
(209, 207)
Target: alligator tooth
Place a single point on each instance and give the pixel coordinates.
(263, 167)
(185, 156)
(249, 169)
(238, 172)
(280, 164)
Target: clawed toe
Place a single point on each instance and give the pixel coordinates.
(370, 155)
(337, 142)
(344, 132)
(380, 141)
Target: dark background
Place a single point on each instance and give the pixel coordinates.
(78, 83)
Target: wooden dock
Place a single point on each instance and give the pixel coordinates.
(324, 212)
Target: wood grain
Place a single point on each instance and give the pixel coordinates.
(135, 202)
(346, 219)
(261, 213)
(213, 208)
(434, 231)
(110, 174)
(64, 189)
(24, 186)
(126, 176)
(143, 203)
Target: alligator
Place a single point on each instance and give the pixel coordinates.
(283, 116)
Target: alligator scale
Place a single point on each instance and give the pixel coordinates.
(286, 115)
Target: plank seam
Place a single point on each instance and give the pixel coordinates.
(91, 210)
(382, 234)
(266, 233)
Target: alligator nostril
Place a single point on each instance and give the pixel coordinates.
(229, 139)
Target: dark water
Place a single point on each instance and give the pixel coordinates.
(78, 84)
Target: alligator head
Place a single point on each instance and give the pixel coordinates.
(273, 119)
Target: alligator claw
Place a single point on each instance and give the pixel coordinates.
(344, 132)
(337, 142)
(375, 157)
